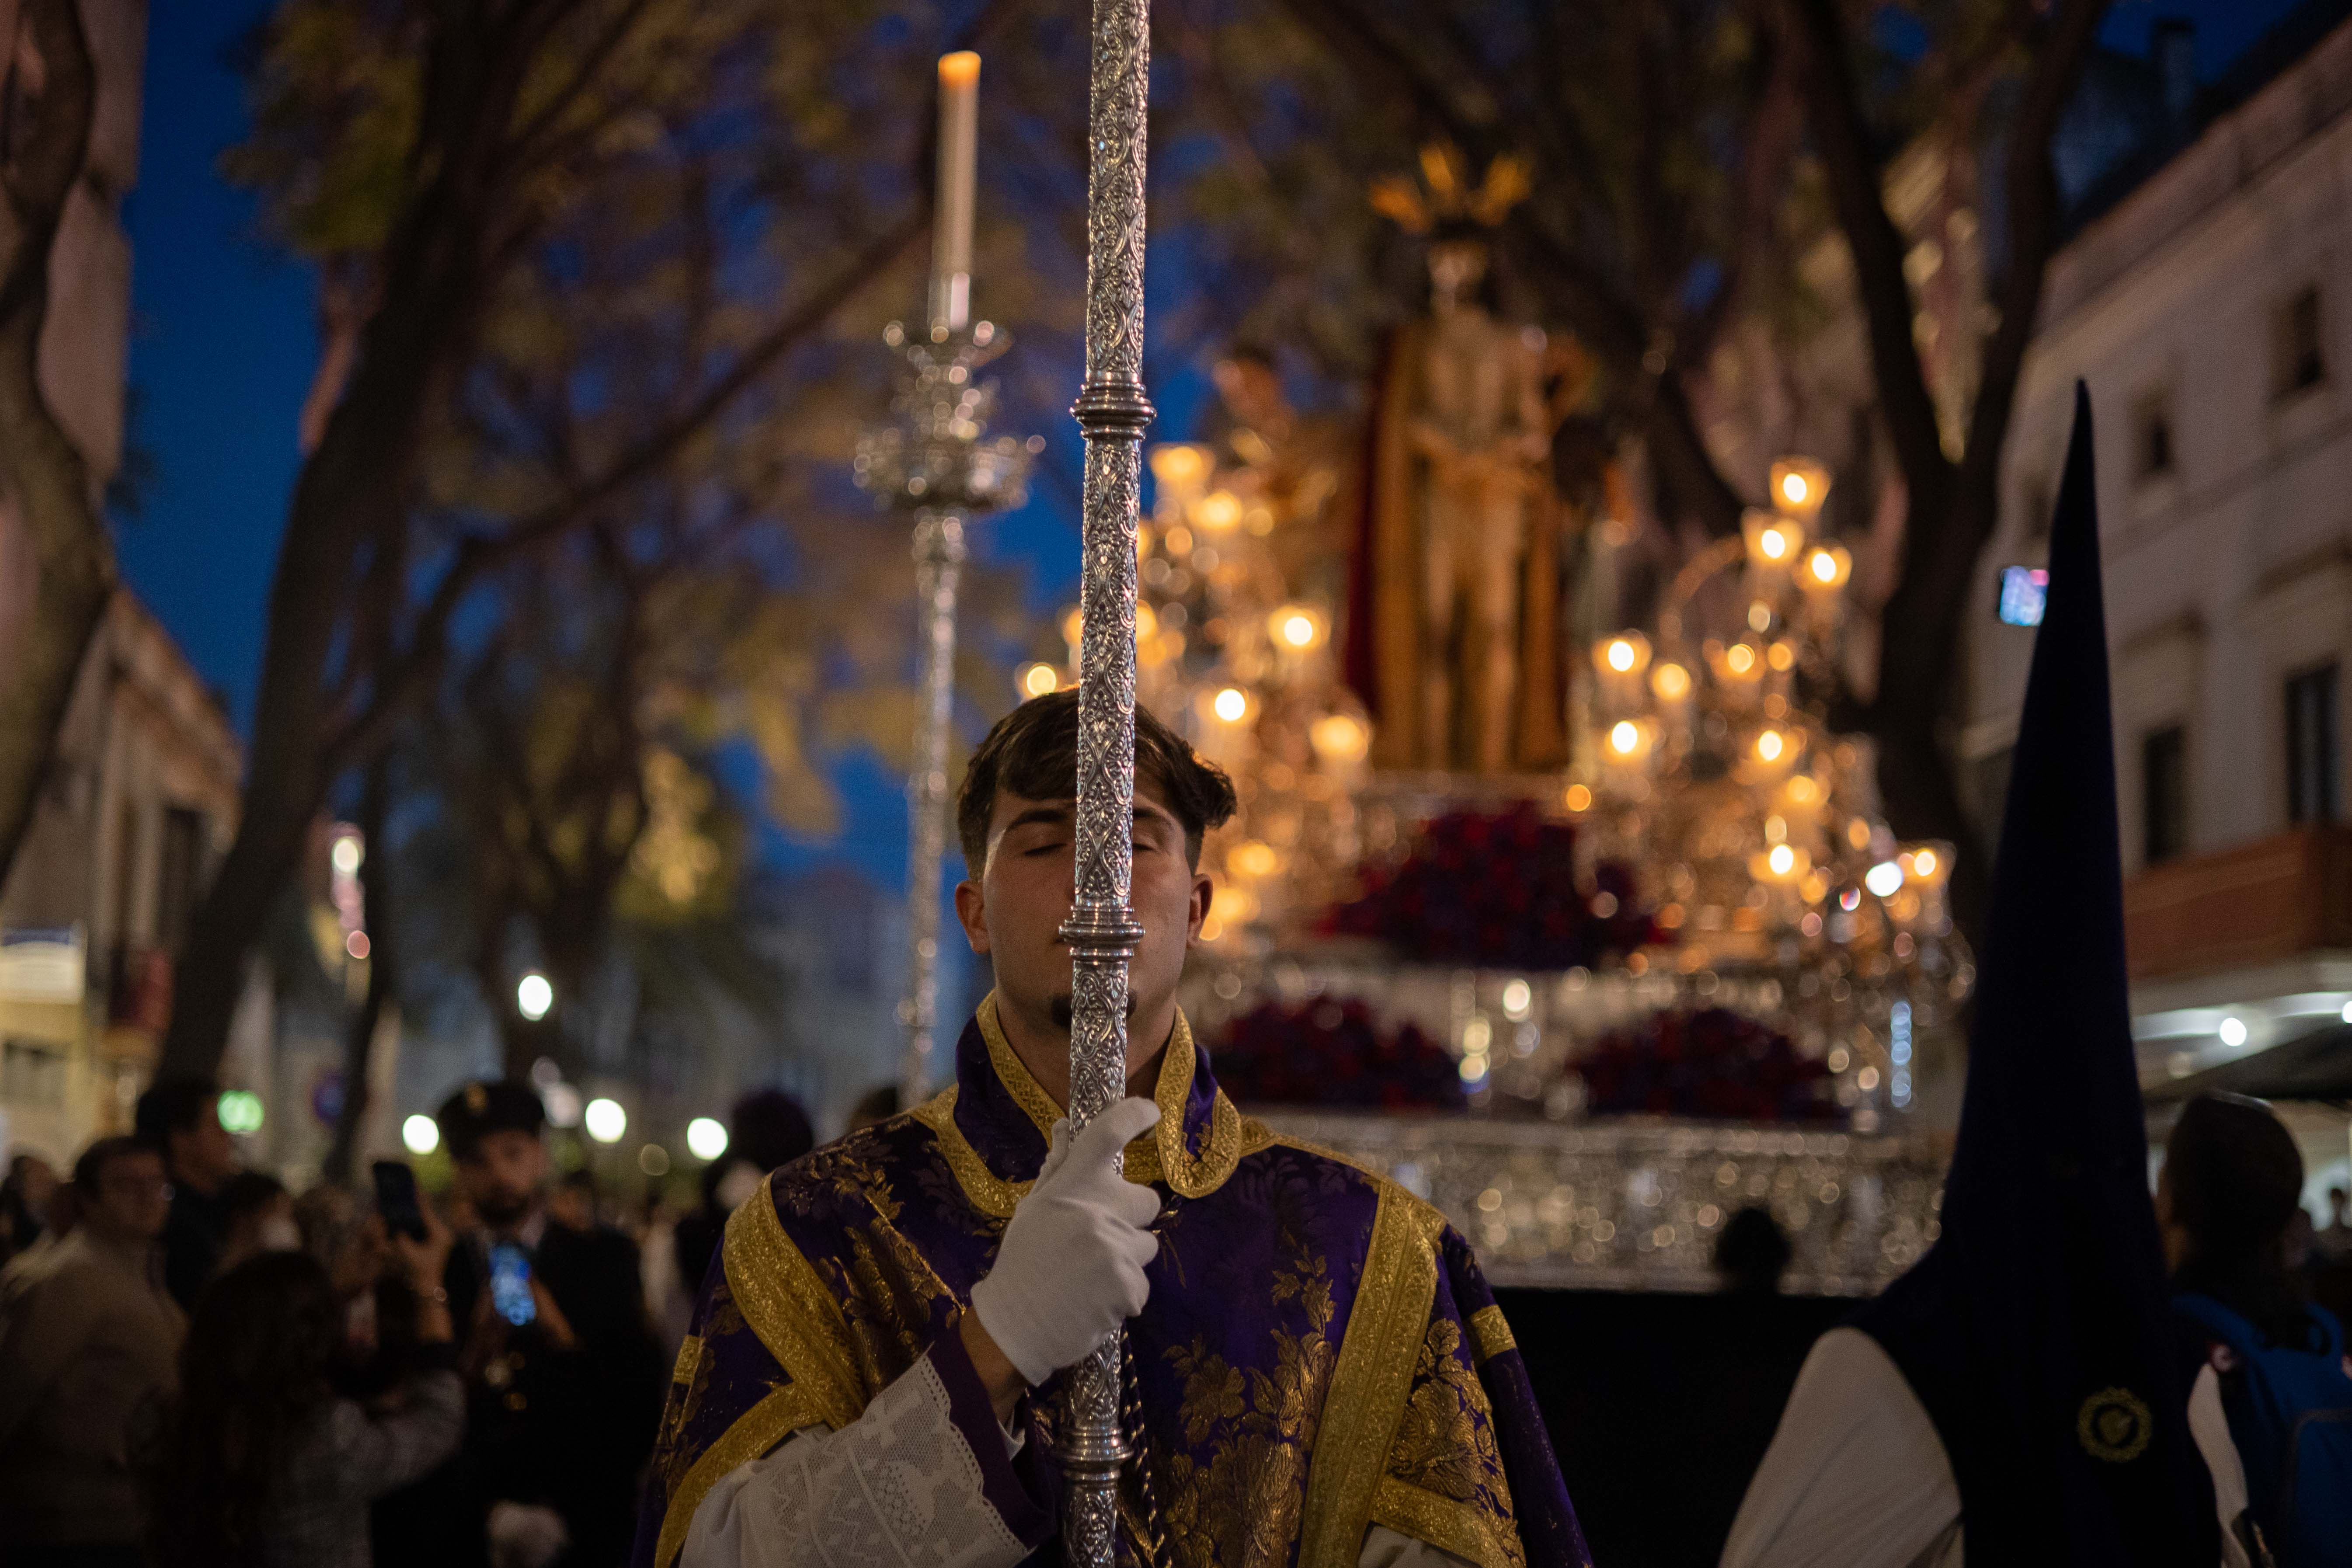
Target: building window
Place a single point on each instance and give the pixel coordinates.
(32, 1073)
(2164, 793)
(2311, 745)
(2152, 435)
(2298, 354)
(179, 876)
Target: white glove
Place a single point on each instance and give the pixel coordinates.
(1070, 1268)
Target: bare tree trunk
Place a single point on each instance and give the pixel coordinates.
(1953, 506)
(52, 90)
(351, 490)
(359, 1040)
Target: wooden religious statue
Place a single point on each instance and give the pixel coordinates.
(1458, 594)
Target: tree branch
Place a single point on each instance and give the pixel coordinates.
(480, 554)
(1843, 139)
(2034, 215)
(43, 476)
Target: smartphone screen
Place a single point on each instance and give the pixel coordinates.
(397, 1200)
(510, 1284)
(2024, 591)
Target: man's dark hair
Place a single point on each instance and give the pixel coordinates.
(2236, 1180)
(1034, 752)
(89, 1171)
(173, 1105)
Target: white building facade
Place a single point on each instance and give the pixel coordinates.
(2210, 312)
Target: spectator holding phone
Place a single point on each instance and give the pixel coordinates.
(259, 1463)
(565, 1379)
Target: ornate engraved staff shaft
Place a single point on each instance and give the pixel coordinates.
(1102, 931)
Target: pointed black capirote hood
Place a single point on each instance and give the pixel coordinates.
(2038, 1330)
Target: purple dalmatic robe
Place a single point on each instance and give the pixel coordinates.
(1320, 1353)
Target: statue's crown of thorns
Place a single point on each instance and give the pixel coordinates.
(1443, 193)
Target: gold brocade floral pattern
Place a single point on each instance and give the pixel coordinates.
(1445, 1452)
(1302, 1370)
(1241, 1508)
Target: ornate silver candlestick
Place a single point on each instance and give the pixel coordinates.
(1102, 931)
(935, 462)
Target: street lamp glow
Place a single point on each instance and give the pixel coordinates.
(420, 1134)
(605, 1120)
(1232, 704)
(346, 855)
(533, 996)
(1672, 682)
(1624, 737)
(706, 1140)
(2233, 1032)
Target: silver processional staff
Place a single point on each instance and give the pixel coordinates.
(1102, 931)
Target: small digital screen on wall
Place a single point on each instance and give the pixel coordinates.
(2022, 590)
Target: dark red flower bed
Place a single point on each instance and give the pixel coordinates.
(1713, 1064)
(1333, 1053)
(1496, 889)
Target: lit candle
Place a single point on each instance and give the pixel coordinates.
(952, 216)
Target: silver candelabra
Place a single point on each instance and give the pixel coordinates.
(935, 461)
(1102, 929)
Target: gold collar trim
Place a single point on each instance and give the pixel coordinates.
(1163, 1157)
(1013, 1073)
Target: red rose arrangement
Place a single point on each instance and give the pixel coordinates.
(1713, 1064)
(1333, 1053)
(1497, 890)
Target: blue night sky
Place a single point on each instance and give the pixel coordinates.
(224, 344)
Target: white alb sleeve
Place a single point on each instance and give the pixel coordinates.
(1386, 1548)
(1855, 1477)
(897, 1488)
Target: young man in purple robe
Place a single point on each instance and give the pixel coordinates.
(1317, 1374)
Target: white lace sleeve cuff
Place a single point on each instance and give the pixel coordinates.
(921, 1480)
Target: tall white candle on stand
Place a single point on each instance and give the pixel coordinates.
(951, 218)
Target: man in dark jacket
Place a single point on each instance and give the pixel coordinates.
(565, 1379)
(179, 1118)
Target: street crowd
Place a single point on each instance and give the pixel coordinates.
(201, 1368)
